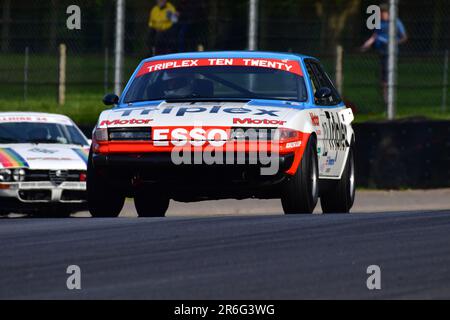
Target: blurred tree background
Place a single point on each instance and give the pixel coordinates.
(295, 25)
(312, 27)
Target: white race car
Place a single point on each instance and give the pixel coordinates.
(214, 125)
(42, 164)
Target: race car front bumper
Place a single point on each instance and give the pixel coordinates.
(164, 159)
(29, 196)
(191, 182)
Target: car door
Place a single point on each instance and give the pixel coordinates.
(331, 133)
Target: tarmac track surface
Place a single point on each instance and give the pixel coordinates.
(233, 256)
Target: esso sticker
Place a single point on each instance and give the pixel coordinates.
(196, 137)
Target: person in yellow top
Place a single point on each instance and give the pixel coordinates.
(162, 18)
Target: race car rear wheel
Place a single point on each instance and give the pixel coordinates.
(301, 192)
(103, 199)
(340, 194)
(150, 203)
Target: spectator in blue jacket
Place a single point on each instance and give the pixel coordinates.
(380, 42)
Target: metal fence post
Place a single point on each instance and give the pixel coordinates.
(445, 83)
(392, 64)
(252, 34)
(339, 69)
(253, 25)
(62, 74)
(119, 44)
(25, 74)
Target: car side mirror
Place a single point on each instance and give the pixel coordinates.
(110, 99)
(323, 93)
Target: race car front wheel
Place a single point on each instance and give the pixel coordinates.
(150, 203)
(103, 199)
(301, 192)
(340, 195)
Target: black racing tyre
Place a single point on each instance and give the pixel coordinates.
(150, 203)
(340, 194)
(104, 200)
(301, 192)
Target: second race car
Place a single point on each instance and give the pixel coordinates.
(42, 164)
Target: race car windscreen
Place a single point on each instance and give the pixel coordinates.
(217, 82)
(37, 132)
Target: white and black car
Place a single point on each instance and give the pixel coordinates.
(42, 164)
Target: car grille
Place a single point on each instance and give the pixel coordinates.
(130, 134)
(58, 176)
(55, 176)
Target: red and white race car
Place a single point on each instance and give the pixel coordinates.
(201, 126)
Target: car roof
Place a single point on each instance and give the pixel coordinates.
(231, 54)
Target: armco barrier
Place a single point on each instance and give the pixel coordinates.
(413, 153)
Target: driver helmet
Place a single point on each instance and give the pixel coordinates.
(177, 85)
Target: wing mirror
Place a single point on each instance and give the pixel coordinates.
(110, 99)
(323, 93)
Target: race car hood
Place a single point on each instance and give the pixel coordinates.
(222, 114)
(43, 156)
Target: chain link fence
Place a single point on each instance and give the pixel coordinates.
(32, 31)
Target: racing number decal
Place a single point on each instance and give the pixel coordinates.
(335, 132)
(334, 143)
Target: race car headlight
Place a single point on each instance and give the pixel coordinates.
(287, 135)
(100, 134)
(134, 134)
(265, 134)
(18, 175)
(5, 175)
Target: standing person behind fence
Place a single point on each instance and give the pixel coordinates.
(162, 18)
(380, 42)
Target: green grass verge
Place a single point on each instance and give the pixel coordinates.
(419, 93)
(85, 112)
